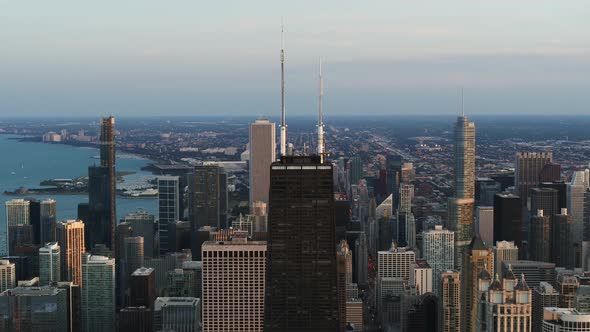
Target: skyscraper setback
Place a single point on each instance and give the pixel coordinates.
(462, 204)
(101, 218)
(301, 285)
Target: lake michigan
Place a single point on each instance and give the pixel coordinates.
(28, 163)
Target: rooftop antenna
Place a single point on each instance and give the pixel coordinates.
(321, 151)
(462, 104)
(283, 121)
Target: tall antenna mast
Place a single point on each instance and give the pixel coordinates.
(321, 150)
(283, 121)
(462, 104)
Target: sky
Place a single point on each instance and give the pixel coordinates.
(186, 57)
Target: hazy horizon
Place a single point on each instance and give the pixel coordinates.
(147, 58)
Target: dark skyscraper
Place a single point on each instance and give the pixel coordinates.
(393, 165)
(356, 170)
(168, 207)
(545, 199)
(527, 171)
(301, 287)
(561, 188)
(206, 193)
(540, 237)
(562, 243)
(508, 218)
(100, 226)
(47, 219)
(35, 217)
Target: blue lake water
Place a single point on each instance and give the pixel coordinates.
(32, 163)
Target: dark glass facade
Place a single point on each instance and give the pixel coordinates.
(508, 218)
(301, 286)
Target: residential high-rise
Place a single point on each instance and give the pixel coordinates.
(508, 218)
(484, 223)
(47, 220)
(406, 194)
(394, 269)
(301, 283)
(461, 223)
(7, 275)
(100, 226)
(464, 158)
(544, 296)
(540, 237)
(396, 262)
(421, 277)
(225, 265)
(475, 259)
(34, 309)
(575, 203)
(527, 169)
(17, 213)
(49, 264)
(503, 306)
(561, 238)
(177, 314)
(449, 294)
(504, 251)
(168, 207)
(262, 154)
(98, 293)
(143, 224)
(205, 195)
(438, 247)
(69, 235)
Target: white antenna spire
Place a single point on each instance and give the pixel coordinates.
(462, 104)
(283, 121)
(321, 151)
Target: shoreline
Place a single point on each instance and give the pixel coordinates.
(36, 139)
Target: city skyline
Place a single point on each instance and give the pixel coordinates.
(185, 59)
(331, 166)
